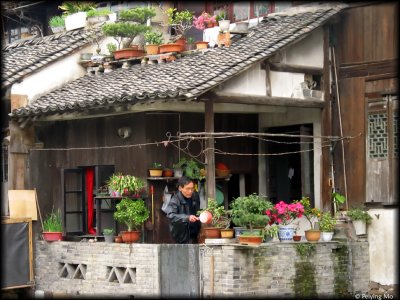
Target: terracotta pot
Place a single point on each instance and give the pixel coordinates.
(201, 45)
(206, 217)
(250, 240)
(155, 172)
(312, 235)
(182, 42)
(127, 53)
(52, 236)
(212, 232)
(130, 237)
(152, 49)
(118, 239)
(227, 233)
(297, 238)
(168, 173)
(165, 48)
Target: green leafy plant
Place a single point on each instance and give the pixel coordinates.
(305, 250)
(133, 213)
(190, 40)
(338, 200)
(250, 211)
(220, 217)
(57, 21)
(153, 37)
(271, 231)
(327, 222)
(311, 213)
(221, 15)
(181, 21)
(98, 12)
(71, 7)
(108, 231)
(111, 47)
(53, 222)
(157, 165)
(359, 214)
(190, 168)
(126, 184)
(131, 24)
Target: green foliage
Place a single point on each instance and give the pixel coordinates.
(157, 165)
(57, 21)
(53, 222)
(126, 183)
(271, 231)
(338, 198)
(133, 213)
(250, 211)
(181, 21)
(98, 12)
(305, 250)
(153, 37)
(71, 7)
(219, 215)
(190, 168)
(108, 231)
(137, 14)
(327, 222)
(190, 40)
(222, 15)
(359, 214)
(111, 47)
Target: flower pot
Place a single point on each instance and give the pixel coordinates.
(227, 233)
(360, 227)
(250, 240)
(152, 49)
(268, 238)
(178, 172)
(109, 238)
(238, 231)
(130, 237)
(52, 236)
(285, 233)
(127, 53)
(297, 238)
(212, 232)
(312, 235)
(326, 236)
(118, 239)
(155, 172)
(182, 42)
(168, 173)
(76, 20)
(242, 26)
(165, 48)
(224, 25)
(201, 45)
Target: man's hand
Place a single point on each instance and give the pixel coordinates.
(193, 218)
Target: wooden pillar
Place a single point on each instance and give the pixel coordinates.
(209, 154)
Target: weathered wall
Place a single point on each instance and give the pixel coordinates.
(272, 269)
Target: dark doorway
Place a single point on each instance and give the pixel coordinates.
(289, 170)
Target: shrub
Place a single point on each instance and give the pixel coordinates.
(53, 222)
(98, 12)
(358, 214)
(57, 21)
(153, 38)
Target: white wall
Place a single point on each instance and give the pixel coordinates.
(54, 75)
(382, 237)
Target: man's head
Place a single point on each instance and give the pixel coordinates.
(186, 186)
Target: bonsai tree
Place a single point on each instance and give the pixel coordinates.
(219, 215)
(250, 211)
(180, 21)
(132, 213)
(131, 24)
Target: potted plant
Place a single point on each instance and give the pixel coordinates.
(338, 201)
(131, 23)
(52, 227)
(284, 214)
(270, 232)
(167, 172)
(327, 226)
(312, 215)
(156, 170)
(189, 167)
(132, 213)
(190, 42)
(75, 13)
(360, 218)
(214, 217)
(120, 185)
(108, 235)
(98, 15)
(223, 22)
(153, 39)
(57, 24)
(205, 20)
(249, 211)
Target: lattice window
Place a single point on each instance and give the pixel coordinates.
(377, 135)
(72, 271)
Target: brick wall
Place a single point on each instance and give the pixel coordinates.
(272, 269)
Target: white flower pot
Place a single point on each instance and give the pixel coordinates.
(326, 236)
(76, 20)
(360, 227)
(224, 25)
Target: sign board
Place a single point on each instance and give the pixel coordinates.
(22, 204)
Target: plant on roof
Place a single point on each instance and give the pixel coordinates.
(98, 12)
(204, 20)
(71, 7)
(57, 21)
(180, 21)
(130, 24)
(221, 15)
(153, 37)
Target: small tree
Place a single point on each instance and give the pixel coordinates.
(180, 21)
(133, 213)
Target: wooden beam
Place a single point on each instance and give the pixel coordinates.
(209, 153)
(371, 68)
(280, 67)
(219, 97)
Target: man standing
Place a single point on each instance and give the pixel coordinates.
(182, 208)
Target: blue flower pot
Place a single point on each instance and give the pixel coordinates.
(286, 232)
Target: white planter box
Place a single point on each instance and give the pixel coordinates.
(360, 227)
(76, 20)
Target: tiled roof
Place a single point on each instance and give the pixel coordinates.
(23, 58)
(185, 78)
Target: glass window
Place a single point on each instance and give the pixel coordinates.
(261, 8)
(241, 11)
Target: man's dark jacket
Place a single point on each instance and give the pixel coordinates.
(178, 213)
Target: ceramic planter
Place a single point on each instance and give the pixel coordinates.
(155, 172)
(182, 42)
(285, 233)
(152, 49)
(227, 233)
(201, 45)
(52, 236)
(326, 236)
(250, 240)
(130, 237)
(360, 227)
(212, 232)
(165, 48)
(242, 26)
(127, 53)
(76, 20)
(224, 25)
(312, 235)
(168, 173)
(297, 238)
(109, 238)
